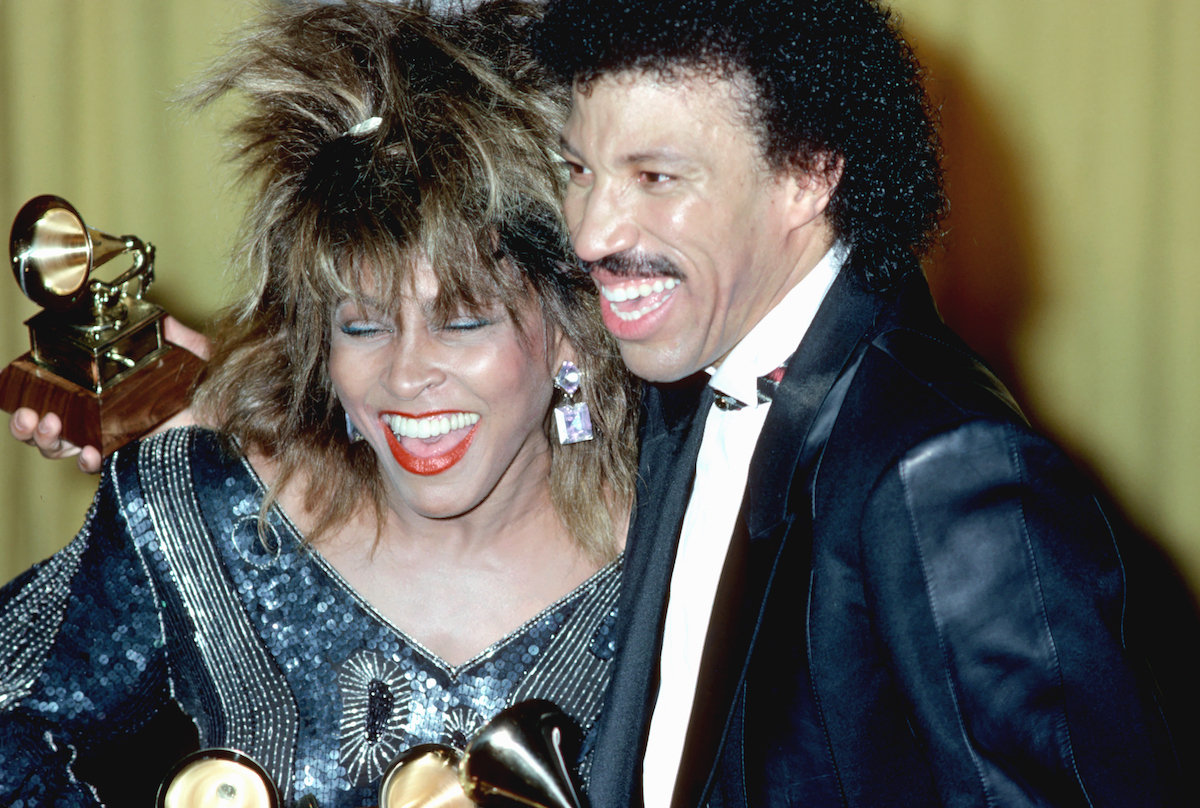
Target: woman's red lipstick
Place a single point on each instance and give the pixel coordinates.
(434, 464)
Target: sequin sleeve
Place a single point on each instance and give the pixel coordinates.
(82, 665)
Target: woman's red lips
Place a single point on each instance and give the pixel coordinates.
(433, 464)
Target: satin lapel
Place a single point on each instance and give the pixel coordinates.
(800, 418)
(797, 426)
(673, 424)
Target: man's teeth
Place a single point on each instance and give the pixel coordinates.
(636, 291)
(429, 427)
(620, 294)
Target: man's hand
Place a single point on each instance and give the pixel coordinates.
(185, 337)
(45, 433)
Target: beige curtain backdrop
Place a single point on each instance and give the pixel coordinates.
(86, 113)
(1071, 261)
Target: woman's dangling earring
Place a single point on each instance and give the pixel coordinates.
(352, 431)
(574, 421)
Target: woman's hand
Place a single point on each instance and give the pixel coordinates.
(45, 433)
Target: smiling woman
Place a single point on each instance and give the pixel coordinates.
(455, 410)
(382, 542)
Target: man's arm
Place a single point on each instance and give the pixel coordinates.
(1023, 684)
(44, 431)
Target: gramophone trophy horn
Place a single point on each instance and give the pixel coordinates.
(97, 353)
(519, 756)
(522, 755)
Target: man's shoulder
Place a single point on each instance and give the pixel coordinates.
(937, 368)
(915, 380)
(914, 364)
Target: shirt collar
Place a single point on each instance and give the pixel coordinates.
(775, 337)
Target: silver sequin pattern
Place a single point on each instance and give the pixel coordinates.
(174, 593)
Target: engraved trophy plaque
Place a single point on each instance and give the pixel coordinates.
(97, 356)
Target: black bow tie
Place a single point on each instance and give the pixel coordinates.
(767, 385)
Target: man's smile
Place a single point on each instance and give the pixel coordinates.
(635, 298)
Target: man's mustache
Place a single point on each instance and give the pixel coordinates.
(630, 264)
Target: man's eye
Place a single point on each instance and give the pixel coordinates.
(576, 170)
(654, 177)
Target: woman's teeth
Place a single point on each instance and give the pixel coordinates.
(429, 427)
(620, 294)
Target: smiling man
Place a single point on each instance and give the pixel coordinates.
(662, 173)
(856, 576)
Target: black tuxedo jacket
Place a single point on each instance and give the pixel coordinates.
(922, 604)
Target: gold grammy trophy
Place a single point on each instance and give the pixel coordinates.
(218, 778)
(523, 755)
(97, 353)
(520, 757)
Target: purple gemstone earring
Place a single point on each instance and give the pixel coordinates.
(574, 421)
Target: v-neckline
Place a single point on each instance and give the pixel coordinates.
(300, 545)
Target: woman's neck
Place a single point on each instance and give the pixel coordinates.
(456, 585)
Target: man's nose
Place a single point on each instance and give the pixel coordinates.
(601, 224)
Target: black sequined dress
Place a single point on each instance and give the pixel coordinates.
(171, 602)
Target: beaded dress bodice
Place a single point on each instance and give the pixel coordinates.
(173, 593)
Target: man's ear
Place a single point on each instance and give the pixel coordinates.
(809, 189)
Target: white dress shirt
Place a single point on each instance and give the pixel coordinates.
(721, 472)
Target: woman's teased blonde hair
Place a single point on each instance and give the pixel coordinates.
(458, 170)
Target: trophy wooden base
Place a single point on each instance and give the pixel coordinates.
(108, 420)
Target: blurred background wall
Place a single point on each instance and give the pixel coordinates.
(85, 113)
(1071, 262)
